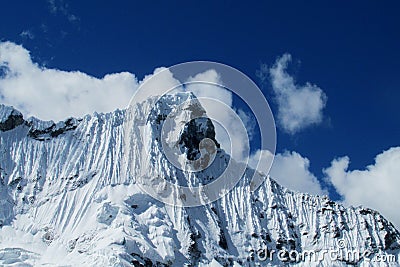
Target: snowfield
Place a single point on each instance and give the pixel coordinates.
(69, 196)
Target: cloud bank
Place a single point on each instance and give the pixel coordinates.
(52, 94)
(291, 170)
(299, 106)
(377, 186)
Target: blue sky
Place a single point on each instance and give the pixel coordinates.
(348, 50)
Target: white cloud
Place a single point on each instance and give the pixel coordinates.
(52, 94)
(211, 89)
(376, 187)
(27, 34)
(160, 82)
(291, 170)
(299, 106)
(233, 143)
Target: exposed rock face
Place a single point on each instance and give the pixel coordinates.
(194, 132)
(9, 118)
(49, 129)
(69, 196)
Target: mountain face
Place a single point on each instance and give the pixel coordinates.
(70, 196)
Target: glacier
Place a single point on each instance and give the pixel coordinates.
(70, 195)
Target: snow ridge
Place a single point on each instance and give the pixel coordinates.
(69, 196)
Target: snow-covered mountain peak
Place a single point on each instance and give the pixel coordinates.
(71, 194)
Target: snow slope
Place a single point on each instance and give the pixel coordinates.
(69, 196)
